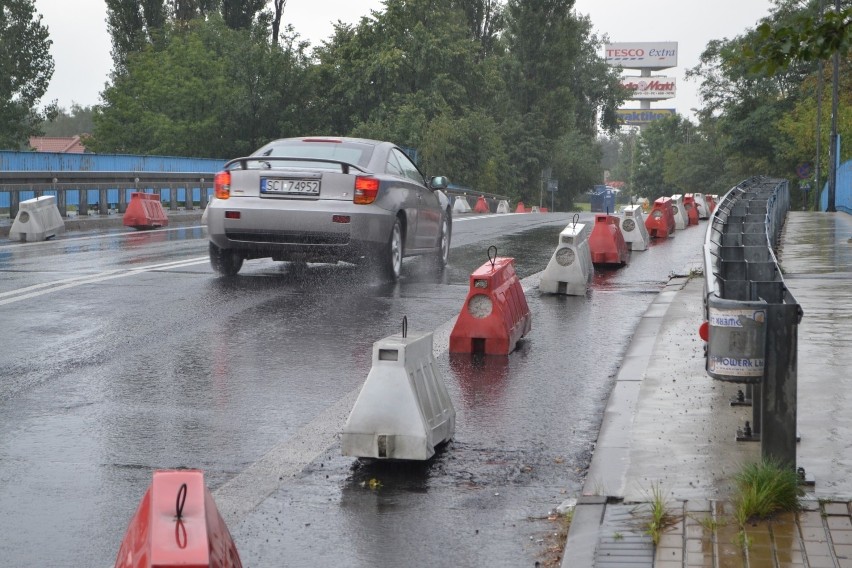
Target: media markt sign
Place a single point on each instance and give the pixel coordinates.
(640, 117)
(650, 88)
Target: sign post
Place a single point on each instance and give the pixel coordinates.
(552, 187)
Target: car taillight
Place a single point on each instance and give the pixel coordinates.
(366, 190)
(222, 185)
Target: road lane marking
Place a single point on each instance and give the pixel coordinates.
(239, 496)
(58, 285)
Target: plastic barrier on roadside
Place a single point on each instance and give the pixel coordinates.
(204, 215)
(711, 203)
(646, 205)
(145, 211)
(521, 208)
(38, 219)
(535, 209)
(660, 223)
(503, 206)
(570, 268)
(460, 205)
(481, 205)
(495, 314)
(633, 228)
(701, 205)
(177, 524)
(679, 212)
(403, 410)
(542, 209)
(691, 209)
(606, 243)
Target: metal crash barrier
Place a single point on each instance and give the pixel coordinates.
(751, 318)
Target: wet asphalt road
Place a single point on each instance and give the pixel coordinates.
(123, 353)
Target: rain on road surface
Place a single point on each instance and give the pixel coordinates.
(124, 353)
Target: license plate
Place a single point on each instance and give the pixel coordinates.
(289, 186)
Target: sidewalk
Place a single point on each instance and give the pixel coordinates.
(670, 428)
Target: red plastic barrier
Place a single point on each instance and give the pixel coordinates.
(481, 205)
(520, 208)
(606, 242)
(145, 211)
(711, 203)
(175, 527)
(691, 209)
(542, 209)
(661, 222)
(495, 314)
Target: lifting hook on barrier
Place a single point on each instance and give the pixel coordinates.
(493, 259)
(180, 501)
(576, 219)
(404, 327)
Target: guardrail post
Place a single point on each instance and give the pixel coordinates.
(103, 205)
(203, 201)
(84, 200)
(188, 196)
(14, 203)
(778, 439)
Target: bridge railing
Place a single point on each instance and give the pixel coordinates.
(93, 192)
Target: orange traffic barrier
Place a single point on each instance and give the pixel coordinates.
(177, 524)
(481, 205)
(711, 203)
(495, 314)
(520, 208)
(691, 209)
(661, 222)
(606, 243)
(542, 209)
(145, 211)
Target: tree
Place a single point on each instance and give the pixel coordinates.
(240, 14)
(26, 67)
(76, 121)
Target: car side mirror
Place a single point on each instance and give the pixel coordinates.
(439, 182)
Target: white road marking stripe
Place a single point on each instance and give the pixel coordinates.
(56, 286)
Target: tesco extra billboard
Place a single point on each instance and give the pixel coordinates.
(650, 88)
(642, 55)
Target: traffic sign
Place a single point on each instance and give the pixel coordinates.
(804, 170)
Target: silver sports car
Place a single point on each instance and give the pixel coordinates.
(327, 200)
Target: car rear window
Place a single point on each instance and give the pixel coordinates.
(349, 152)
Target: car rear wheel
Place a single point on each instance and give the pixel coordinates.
(391, 260)
(442, 254)
(225, 262)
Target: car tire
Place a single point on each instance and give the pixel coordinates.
(225, 262)
(442, 254)
(390, 261)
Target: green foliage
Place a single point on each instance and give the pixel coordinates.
(25, 71)
(79, 120)
(765, 488)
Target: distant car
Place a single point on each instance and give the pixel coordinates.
(327, 200)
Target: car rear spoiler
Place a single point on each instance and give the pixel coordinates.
(243, 162)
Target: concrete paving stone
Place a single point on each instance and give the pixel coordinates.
(731, 562)
(789, 556)
(835, 508)
(759, 539)
(784, 519)
(843, 551)
(810, 519)
(839, 523)
(814, 534)
(820, 561)
(670, 541)
(696, 545)
(697, 506)
(761, 561)
(810, 505)
(813, 548)
(786, 542)
(669, 553)
(841, 537)
(699, 559)
(668, 564)
(844, 562)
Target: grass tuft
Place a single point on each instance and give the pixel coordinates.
(765, 488)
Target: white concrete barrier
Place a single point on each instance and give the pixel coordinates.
(403, 410)
(681, 218)
(460, 205)
(37, 220)
(701, 205)
(632, 224)
(570, 268)
(204, 215)
(503, 206)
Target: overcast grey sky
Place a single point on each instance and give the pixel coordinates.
(81, 44)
